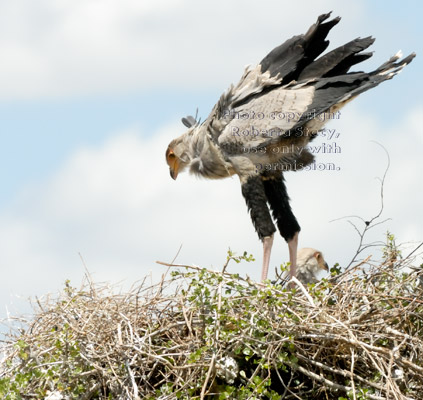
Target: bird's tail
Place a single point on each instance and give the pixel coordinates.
(391, 67)
(386, 71)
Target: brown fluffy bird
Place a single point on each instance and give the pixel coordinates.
(260, 127)
(309, 263)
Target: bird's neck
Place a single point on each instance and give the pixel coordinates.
(205, 155)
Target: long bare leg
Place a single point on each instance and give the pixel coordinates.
(267, 248)
(278, 199)
(255, 197)
(293, 246)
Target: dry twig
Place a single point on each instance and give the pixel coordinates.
(202, 332)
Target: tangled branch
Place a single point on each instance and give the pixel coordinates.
(205, 334)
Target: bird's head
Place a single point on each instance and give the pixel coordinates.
(321, 261)
(311, 258)
(178, 153)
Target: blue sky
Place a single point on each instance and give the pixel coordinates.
(37, 135)
(92, 91)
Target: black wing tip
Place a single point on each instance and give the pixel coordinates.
(321, 25)
(409, 58)
(323, 17)
(368, 39)
(396, 63)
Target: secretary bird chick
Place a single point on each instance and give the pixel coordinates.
(309, 263)
(260, 127)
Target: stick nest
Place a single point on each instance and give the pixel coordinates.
(205, 334)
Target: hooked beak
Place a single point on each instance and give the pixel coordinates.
(173, 173)
(326, 266)
(174, 169)
(173, 162)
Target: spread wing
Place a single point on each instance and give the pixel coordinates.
(284, 95)
(266, 117)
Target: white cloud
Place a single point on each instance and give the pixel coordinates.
(355, 190)
(81, 47)
(118, 207)
(116, 204)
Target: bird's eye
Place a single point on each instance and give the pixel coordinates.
(170, 155)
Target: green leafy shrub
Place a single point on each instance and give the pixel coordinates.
(205, 334)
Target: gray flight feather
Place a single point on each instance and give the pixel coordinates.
(278, 106)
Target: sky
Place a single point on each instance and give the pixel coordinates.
(91, 93)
